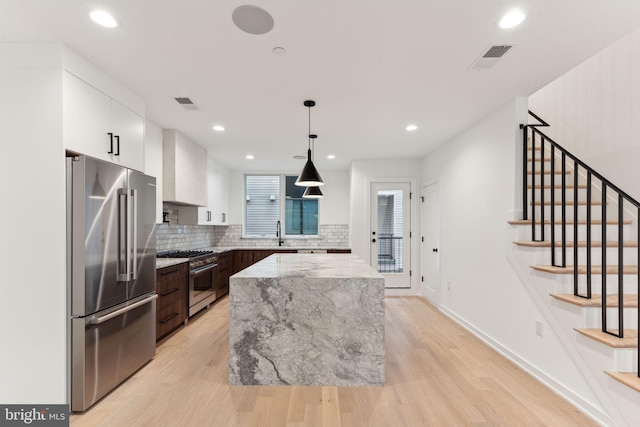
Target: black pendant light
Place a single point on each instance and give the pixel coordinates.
(312, 192)
(309, 177)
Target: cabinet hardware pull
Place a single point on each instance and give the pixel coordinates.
(117, 145)
(164, 294)
(171, 316)
(168, 272)
(110, 143)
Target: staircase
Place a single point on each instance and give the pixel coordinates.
(581, 233)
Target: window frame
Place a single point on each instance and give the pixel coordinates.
(281, 212)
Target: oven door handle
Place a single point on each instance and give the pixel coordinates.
(202, 269)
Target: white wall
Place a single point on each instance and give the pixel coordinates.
(362, 174)
(153, 160)
(333, 207)
(476, 172)
(33, 362)
(594, 112)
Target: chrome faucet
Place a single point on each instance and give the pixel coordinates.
(279, 234)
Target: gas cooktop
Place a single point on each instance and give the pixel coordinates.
(183, 254)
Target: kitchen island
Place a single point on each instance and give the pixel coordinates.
(307, 319)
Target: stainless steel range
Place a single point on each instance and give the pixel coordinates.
(202, 276)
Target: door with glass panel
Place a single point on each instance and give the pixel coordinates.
(389, 235)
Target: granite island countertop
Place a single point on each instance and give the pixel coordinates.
(310, 265)
(307, 319)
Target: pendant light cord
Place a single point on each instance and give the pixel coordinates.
(309, 130)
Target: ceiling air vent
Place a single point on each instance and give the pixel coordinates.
(490, 57)
(186, 103)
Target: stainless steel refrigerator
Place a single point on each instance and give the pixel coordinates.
(111, 275)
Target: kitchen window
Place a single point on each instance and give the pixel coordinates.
(301, 215)
(268, 198)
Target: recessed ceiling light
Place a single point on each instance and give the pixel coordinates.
(218, 128)
(331, 156)
(279, 51)
(101, 17)
(249, 157)
(512, 19)
(300, 157)
(411, 127)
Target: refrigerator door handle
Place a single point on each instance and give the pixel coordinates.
(134, 246)
(124, 261)
(96, 320)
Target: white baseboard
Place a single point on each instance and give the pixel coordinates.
(586, 407)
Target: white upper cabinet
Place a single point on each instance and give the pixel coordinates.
(215, 212)
(99, 126)
(218, 193)
(184, 170)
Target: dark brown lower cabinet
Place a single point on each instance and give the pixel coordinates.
(224, 270)
(171, 308)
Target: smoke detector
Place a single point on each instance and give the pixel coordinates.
(490, 56)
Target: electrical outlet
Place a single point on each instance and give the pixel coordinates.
(539, 328)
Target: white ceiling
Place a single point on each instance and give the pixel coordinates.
(372, 66)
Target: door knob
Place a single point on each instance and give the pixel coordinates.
(435, 249)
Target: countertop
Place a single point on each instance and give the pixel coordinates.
(168, 262)
(220, 249)
(310, 265)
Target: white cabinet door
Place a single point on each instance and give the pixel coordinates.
(86, 119)
(219, 194)
(100, 127)
(128, 130)
(215, 213)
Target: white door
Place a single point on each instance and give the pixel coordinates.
(389, 235)
(430, 243)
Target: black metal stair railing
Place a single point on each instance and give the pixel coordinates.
(534, 140)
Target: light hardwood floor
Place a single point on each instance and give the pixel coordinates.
(437, 374)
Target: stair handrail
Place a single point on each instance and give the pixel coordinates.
(591, 173)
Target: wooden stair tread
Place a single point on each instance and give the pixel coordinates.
(630, 339)
(630, 379)
(629, 300)
(582, 269)
(581, 244)
(548, 172)
(558, 186)
(546, 159)
(569, 203)
(569, 222)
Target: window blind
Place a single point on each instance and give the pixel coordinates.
(262, 205)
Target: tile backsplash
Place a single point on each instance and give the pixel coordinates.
(172, 235)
